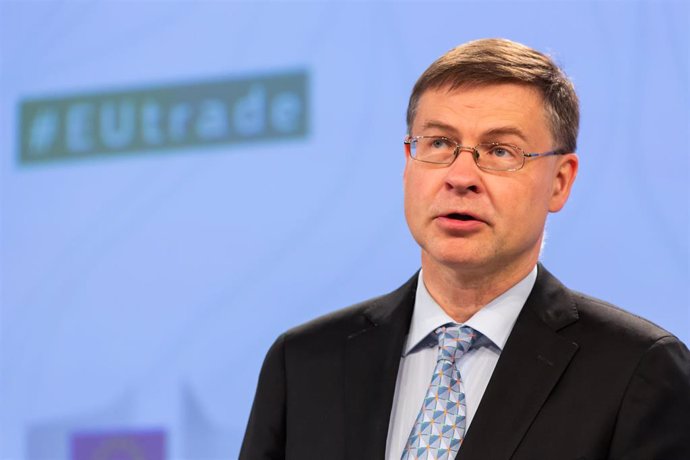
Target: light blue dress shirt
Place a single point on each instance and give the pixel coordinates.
(495, 321)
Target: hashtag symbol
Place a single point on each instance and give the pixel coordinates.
(43, 131)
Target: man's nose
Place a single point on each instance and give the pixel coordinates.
(463, 174)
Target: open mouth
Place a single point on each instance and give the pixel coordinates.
(458, 216)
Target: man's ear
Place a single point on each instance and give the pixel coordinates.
(406, 151)
(565, 173)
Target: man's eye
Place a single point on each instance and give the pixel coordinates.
(502, 151)
(439, 143)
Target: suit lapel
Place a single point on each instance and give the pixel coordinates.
(531, 363)
(372, 358)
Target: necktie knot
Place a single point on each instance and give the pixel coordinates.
(453, 341)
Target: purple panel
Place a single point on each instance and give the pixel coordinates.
(120, 445)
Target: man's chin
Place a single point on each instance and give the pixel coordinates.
(455, 259)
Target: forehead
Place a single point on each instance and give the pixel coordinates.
(471, 109)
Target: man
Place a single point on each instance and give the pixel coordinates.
(482, 355)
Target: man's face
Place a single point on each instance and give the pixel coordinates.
(484, 221)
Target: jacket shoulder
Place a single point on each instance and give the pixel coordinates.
(587, 319)
(343, 323)
(617, 323)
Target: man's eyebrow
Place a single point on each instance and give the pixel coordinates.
(489, 134)
(432, 124)
(504, 131)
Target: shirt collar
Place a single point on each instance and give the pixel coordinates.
(494, 321)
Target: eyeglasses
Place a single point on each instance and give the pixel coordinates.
(493, 156)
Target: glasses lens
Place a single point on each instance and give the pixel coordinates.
(500, 157)
(432, 149)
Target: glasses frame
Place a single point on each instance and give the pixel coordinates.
(475, 153)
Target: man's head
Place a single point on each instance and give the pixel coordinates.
(495, 60)
(469, 218)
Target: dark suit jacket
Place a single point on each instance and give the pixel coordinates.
(577, 379)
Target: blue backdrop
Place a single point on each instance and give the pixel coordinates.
(141, 284)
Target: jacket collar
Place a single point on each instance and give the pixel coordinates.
(533, 360)
(372, 358)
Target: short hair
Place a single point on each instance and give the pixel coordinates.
(496, 60)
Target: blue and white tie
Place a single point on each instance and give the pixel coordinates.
(440, 426)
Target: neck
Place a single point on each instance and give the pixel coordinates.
(463, 292)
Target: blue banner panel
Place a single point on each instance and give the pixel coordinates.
(144, 445)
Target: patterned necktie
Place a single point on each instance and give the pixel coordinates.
(440, 426)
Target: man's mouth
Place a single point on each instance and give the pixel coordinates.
(459, 216)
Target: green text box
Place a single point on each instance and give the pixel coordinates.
(266, 107)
